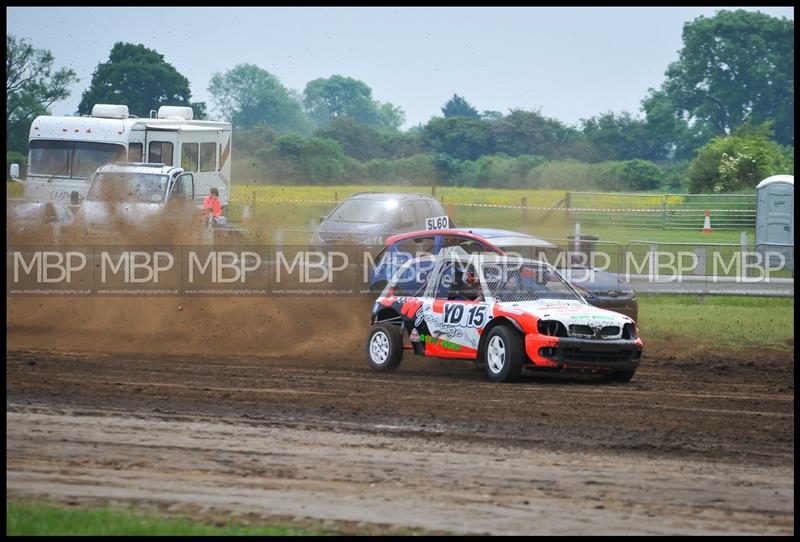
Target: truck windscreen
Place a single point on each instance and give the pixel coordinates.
(76, 159)
(128, 187)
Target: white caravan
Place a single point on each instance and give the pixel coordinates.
(66, 151)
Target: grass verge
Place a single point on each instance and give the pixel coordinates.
(46, 519)
(730, 322)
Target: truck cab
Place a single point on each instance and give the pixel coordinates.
(128, 196)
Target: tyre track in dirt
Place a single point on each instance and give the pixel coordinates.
(684, 448)
(713, 419)
(336, 473)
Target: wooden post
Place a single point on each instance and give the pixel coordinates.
(253, 209)
(433, 191)
(336, 197)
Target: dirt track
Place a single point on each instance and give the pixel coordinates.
(692, 445)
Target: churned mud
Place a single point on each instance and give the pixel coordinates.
(435, 446)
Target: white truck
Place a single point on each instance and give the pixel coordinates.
(155, 199)
(65, 151)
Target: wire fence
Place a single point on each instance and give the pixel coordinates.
(650, 211)
(664, 211)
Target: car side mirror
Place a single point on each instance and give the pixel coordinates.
(15, 172)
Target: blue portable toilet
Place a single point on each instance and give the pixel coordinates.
(775, 216)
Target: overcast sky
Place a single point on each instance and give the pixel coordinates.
(569, 63)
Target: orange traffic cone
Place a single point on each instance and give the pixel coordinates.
(246, 214)
(707, 222)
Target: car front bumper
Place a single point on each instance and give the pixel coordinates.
(564, 353)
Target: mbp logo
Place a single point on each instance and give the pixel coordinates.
(137, 267)
(225, 266)
(48, 267)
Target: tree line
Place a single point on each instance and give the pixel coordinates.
(722, 119)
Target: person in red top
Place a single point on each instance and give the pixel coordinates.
(213, 207)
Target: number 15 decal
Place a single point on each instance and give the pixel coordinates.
(457, 314)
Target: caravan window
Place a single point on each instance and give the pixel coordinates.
(50, 157)
(77, 159)
(189, 156)
(208, 156)
(160, 152)
(90, 156)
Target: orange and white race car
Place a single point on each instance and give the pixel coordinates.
(505, 314)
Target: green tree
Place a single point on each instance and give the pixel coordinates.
(529, 132)
(357, 139)
(328, 98)
(739, 161)
(735, 66)
(459, 107)
(460, 138)
(618, 136)
(630, 175)
(249, 96)
(31, 88)
(668, 132)
(297, 159)
(139, 78)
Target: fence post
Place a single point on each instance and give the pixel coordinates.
(253, 210)
(524, 202)
(433, 191)
(743, 248)
(336, 197)
(664, 212)
(652, 261)
(568, 204)
(700, 252)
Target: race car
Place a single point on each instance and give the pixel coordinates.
(505, 314)
(600, 288)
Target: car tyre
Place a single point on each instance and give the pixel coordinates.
(385, 347)
(620, 376)
(503, 354)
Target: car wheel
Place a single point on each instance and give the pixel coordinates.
(385, 347)
(620, 376)
(503, 354)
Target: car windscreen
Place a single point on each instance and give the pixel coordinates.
(517, 281)
(128, 187)
(375, 211)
